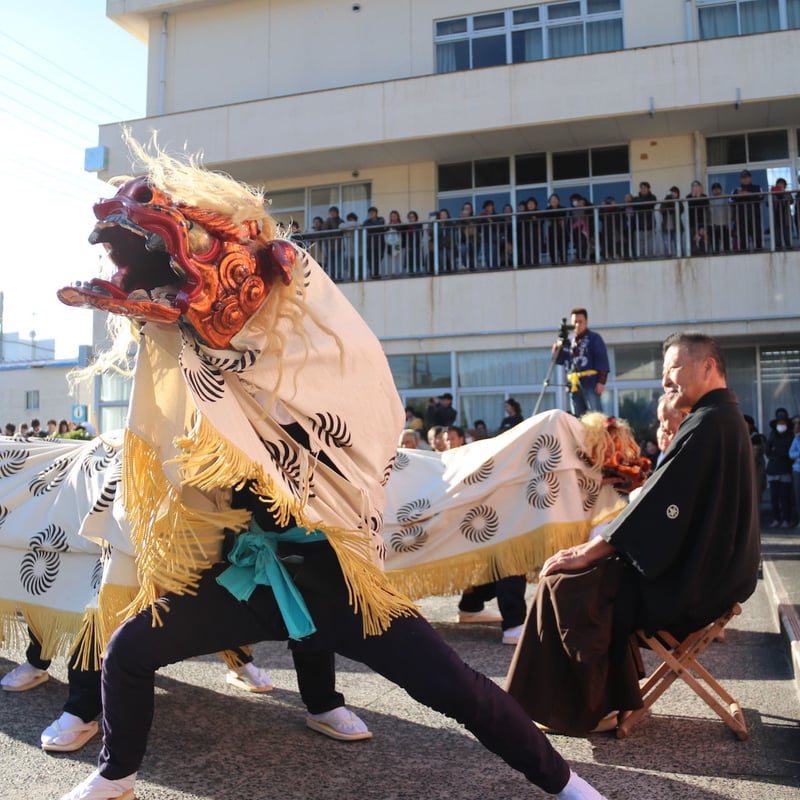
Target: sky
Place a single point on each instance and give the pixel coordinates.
(65, 69)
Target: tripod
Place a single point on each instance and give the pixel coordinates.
(563, 336)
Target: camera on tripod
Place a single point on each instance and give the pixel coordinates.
(564, 330)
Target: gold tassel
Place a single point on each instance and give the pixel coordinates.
(518, 556)
(174, 544)
(235, 658)
(55, 630)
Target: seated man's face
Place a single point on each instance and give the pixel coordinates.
(684, 378)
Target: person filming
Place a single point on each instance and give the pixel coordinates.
(585, 360)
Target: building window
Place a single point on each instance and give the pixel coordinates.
(595, 173)
(549, 30)
(717, 18)
(302, 205)
(32, 400)
(424, 371)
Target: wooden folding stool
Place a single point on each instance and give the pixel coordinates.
(679, 660)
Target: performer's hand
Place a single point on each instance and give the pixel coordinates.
(577, 558)
(599, 388)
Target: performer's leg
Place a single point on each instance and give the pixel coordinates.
(76, 725)
(84, 699)
(415, 657)
(33, 655)
(412, 655)
(206, 622)
(316, 677)
(511, 602)
(471, 605)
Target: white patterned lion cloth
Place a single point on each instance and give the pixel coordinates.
(49, 573)
(492, 508)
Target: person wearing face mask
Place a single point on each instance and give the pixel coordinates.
(779, 469)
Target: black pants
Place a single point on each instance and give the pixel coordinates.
(510, 594)
(84, 685)
(410, 653)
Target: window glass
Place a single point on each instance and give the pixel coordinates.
(780, 378)
(610, 160)
(565, 40)
(528, 15)
(488, 51)
(114, 388)
(488, 21)
(793, 13)
(452, 56)
(721, 150)
(759, 16)
(574, 164)
(740, 363)
(563, 10)
(420, 371)
(288, 198)
(615, 189)
(637, 362)
(527, 45)
(492, 172)
(32, 400)
(604, 36)
(767, 145)
(718, 21)
(455, 176)
(531, 168)
(113, 417)
(448, 27)
(602, 6)
(504, 368)
(638, 408)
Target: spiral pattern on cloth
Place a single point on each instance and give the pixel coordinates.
(480, 524)
(408, 539)
(545, 453)
(542, 490)
(410, 512)
(481, 474)
(40, 565)
(590, 490)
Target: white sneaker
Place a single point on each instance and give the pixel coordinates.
(96, 787)
(482, 617)
(23, 677)
(578, 789)
(513, 635)
(67, 734)
(250, 678)
(339, 723)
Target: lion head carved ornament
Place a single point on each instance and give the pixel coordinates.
(178, 263)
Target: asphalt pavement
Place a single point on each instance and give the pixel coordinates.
(210, 740)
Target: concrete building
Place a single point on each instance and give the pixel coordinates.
(416, 105)
(38, 388)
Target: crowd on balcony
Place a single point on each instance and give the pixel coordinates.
(640, 226)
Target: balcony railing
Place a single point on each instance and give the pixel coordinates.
(715, 225)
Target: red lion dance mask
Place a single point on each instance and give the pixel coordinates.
(180, 263)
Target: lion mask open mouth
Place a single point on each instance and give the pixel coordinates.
(180, 262)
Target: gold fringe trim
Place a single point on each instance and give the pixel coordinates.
(100, 622)
(212, 462)
(518, 556)
(55, 630)
(174, 544)
(233, 658)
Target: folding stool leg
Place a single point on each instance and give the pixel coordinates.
(679, 660)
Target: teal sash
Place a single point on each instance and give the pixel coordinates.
(254, 561)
